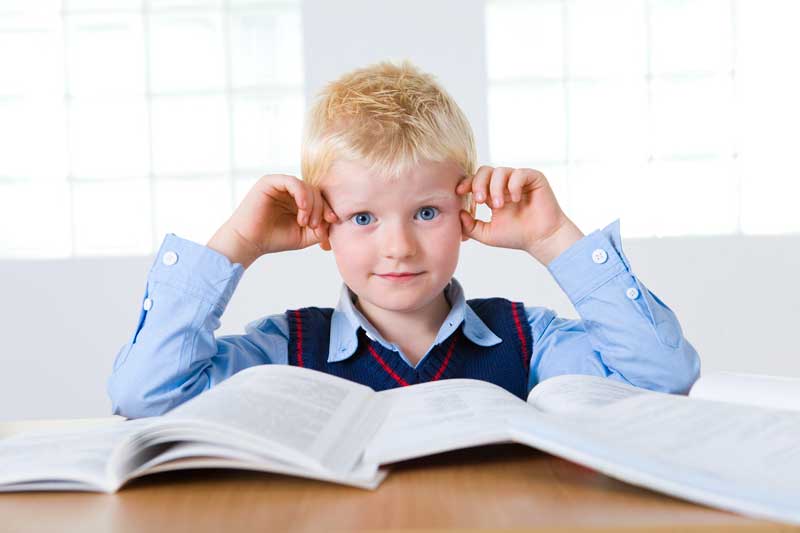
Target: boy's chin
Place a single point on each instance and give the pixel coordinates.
(401, 298)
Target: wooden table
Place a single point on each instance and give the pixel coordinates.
(502, 487)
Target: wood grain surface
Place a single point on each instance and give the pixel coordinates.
(496, 488)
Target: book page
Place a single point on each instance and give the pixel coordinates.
(576, 393)
(739, 458)
(69, 457)
(442, 415)
(751, 389)
(284, 412)
(183, 455)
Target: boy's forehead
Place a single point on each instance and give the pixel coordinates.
(355, 179)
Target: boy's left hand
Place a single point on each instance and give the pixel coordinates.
(525, 213)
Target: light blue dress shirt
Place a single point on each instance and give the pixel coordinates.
(624, 331)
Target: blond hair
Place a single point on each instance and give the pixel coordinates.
(388, 117)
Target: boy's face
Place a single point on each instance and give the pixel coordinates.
(410, 225)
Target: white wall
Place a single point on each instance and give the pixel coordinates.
(63, 321)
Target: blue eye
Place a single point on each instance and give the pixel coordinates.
(428, 213)
(359, 219)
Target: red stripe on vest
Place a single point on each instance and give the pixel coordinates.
(299, 334)
(391, 372)
(521, 336)
(446, 359)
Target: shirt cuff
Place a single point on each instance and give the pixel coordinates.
(590, 262)
(197, 269)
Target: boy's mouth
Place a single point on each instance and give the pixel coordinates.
(399, 276)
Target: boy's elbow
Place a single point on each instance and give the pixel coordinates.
(680, 369)
(690, 368)
(135, 400)
(130, 402)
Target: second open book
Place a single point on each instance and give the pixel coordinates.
(284, 419)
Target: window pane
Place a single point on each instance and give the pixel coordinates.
(607, 38)
(190, 134)
(40, 69)
(268, 131)
(691, 35)
(608, 120)
(186, 51)
(191, 208)
(107, 5)
(99, 99)
(524, 39)
(112, 218)
(266, 47)
(105, 53)
(33, 138)
(601, 192)
(165, 4)
(527, 122)
(698, 197)
(108, 138)
(693, 116)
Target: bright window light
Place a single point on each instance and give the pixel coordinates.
(677, 116)
(123, 120)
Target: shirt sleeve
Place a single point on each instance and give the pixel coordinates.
(625, 332)
(173, 355)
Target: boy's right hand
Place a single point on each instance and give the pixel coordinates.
(279, 213)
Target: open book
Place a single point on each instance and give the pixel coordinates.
(284, 419)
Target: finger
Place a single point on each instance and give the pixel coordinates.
(316, 214)
(497, 186)
(297, 190)
(464, 186)
(517, 181)
(480, 183)
(473, 227)
(309, 210)
(328, 213)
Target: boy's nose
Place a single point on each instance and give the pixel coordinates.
(398, 241)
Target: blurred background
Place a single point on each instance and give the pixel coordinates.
(124, 120)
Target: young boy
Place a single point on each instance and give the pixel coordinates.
(389, 176)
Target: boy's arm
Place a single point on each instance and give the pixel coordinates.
(173, 355)
(625, 332)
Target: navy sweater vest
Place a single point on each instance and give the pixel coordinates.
(505, 364)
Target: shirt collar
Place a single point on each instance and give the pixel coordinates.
(347, 319)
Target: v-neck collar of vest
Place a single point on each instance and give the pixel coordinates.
(347, 320)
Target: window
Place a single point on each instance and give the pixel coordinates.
(121, 121)
(678, 116)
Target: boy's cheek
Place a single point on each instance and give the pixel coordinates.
(342, 241)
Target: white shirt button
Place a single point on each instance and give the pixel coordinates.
(169, 258)
(599, 256)
(632, 293)
(148, 303)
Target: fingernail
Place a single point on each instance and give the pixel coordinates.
(479, 196)
(497, 202)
